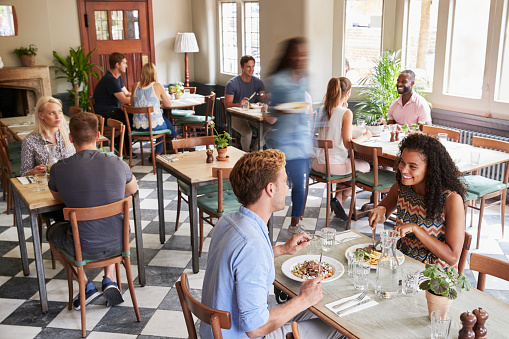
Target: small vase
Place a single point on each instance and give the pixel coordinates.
(177, 96)
(436, 302)
(28, 60)
(221, 153)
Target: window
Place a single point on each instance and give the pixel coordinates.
(252, 33)
(229, 37)
(502, 84)
(118, 25)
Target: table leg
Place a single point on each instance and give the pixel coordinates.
(38, 261)
(21, 233)
(160, 203)
(260, 137)
(139, 238)
(270, 225)
(193, 219)
(229, 121)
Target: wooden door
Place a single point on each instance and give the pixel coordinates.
(118, 26)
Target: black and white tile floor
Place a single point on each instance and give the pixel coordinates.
(20, 315)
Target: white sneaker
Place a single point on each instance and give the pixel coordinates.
(296, 229)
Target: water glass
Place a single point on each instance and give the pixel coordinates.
(41, 181)
(440, 324)
(393, 128)
(328, 239)
(475, 156)
(361, 271)
(315, 246)
(361, 122)
(350, 258)
(409, 281)
(245, 105)
(442, 137)
(187, 92)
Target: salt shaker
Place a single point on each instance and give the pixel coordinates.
(396, 136)
(210, 157)
(468, 320)
(479, 328)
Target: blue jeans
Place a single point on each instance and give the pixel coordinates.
(298, 172)
(166, 125)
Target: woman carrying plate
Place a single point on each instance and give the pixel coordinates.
(292, 128)
(335, 123)
(428, 199)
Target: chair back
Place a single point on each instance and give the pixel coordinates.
(210, 101)
(464, 252)
(75, 110)
(295, 330)
(215, 318)
(488, 265)
(192, 142)
(91, 102)
(99, 212)
(494, 144)
(100, 123)
(326, 145)
(192, 90)
(220, 174)
(223, 110)
(4, 156)
(451, 134)
(116, 126)
(138, 110)
(367, 153)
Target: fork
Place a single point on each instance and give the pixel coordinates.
(359, 298)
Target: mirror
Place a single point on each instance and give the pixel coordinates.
(8, 21)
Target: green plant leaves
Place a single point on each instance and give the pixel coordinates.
(439, 286)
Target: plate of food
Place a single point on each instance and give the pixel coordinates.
(304, 267)
(292, 107)
(371, 255)
(256, 105)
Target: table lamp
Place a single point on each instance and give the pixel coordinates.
(186, 43)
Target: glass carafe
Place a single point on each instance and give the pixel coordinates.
(387, 284)
(51, 150)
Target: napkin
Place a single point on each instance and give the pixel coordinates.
(19, 125)
(24, 180)
(23, 133)
(348, 235)
(351, 303)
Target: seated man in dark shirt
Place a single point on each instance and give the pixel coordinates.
(87, 179)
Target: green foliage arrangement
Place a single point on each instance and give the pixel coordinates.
(76, 69)
(178, 88)
(221, 139)
(412, 129)
(444, 283)
(30, 50)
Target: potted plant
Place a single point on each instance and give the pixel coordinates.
(413, 128)
(177, 90)
(442, 287)
(221, 140)
(27, 55)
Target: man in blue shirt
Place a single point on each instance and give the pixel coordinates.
(240, 268)
(241, 89)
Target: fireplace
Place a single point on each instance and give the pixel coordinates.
(23, 87)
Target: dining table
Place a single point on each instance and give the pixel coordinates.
(252, 115)
(37, 202)
(184, 101)
(399, 317)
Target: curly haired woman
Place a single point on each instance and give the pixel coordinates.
(428, 197)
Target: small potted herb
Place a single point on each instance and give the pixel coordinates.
(27, 55)
(412, 129)
(177, 90)
(221, 140)
(442, 287)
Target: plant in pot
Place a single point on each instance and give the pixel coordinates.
(177, 90)
(27, 55)
(221, 140)
(442, 287)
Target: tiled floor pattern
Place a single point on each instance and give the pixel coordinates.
(20, 315)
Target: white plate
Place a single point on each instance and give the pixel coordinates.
(399, 254)
(287, 266)
(292, 107)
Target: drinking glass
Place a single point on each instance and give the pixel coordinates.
(475, 156)
(41, 182)
(315, 245)
(361, 275)
(329, 239)
(410, 278)
(361, 122)
(187, 92)
(442, 137)
(245, 105)
(440, 324)
(352, 257)
(393, 128)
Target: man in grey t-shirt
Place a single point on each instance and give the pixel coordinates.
(240, 89)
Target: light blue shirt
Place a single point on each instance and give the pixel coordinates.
(240, 272)
(146, 97)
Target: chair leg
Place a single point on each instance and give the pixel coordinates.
(141, 152)
(481, 210)
(328, 208)
(153, 153)
(127, 266)
(352, 206)
(201, 232)
(119, 281)
(69, 284)
(472, 212)
(179, 202)
(502, 210)
(130, 152)
(81, 283)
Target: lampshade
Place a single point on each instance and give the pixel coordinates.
(186, 43)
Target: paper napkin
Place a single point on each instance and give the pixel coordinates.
(24, 180)
(348, 235)
(23, 133)
(351, 302)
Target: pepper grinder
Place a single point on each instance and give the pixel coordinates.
(468, 320)
(392, 136)
(479, 328)
(396, 138)
(210, 157)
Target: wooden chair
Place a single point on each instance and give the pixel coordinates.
(116, 127)
(486, 188)
(328, 179)
(215, 204)
(464, 252)
(191, 124)
(176, 113)
(215, 318)
(75, 265)
(376, 181)
(75, 110)
(13, 150)
(9, 170)
(91, 102)
(295, 330)
(100, 127)
(451, 134)
(487, 265)
(150, 135)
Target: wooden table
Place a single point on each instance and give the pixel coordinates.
(400, 317)
(37, 202)
(190, 101)
(254, 115)
(192, 169)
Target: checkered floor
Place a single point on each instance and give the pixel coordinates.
(20, 315)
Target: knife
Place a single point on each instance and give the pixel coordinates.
(320, 264)
(252, 95)
(353, 306)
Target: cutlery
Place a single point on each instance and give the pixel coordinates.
(353, 306)
(374, 235)
(29, 180)
(320, 264)
(252, 95)
(359, 298)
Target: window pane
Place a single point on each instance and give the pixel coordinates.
(101, 25)
(252, 32)
(468, 48)
(117, 25)
(502, 88)
(229, 37)
(422, 32)
(363, 37)
(133, 25)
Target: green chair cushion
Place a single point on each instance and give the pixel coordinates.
(193, 119)
(325, 177)
(208, 202)
(161, 131)
(203, 189)
(84, 262)
(385, 179)
(470, 196)
(182, 112)
(480, 186)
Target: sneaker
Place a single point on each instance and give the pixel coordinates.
(91, 293)
(296, 229)
(111, 292)
(338, 209)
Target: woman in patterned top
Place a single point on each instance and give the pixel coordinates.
(50, 129)
(428, 199)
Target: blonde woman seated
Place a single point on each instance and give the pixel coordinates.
(148, 93)
(335, 123)
(50, 129)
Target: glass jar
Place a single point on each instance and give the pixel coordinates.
(387, 284)
(51, 150)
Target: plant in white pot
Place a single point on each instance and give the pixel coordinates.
(442, 287)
